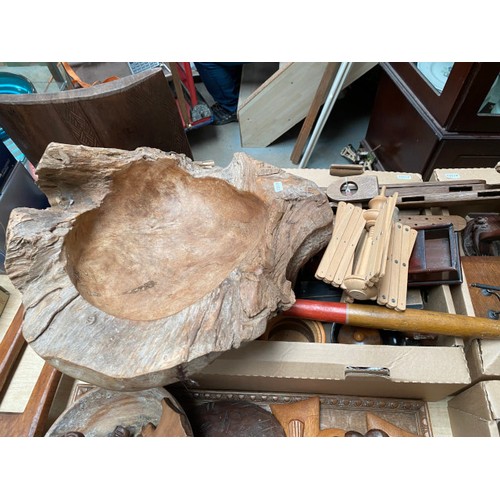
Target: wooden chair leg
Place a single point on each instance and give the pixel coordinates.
(11, 346)
(33, 421)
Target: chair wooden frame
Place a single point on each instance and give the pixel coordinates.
(33, 421)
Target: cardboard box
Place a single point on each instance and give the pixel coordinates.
(322, 177)
(476, 411)
(483, 356)
(427, 373)
(489, 174)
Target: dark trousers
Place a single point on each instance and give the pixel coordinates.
(222, 81)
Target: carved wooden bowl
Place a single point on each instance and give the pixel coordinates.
(147, 265)
(155, 246)
(99, 412)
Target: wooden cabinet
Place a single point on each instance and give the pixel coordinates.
(436, 115)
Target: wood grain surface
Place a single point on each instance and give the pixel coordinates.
(128, 113)
(148, 265)
(484, 270)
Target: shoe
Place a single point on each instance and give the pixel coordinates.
(222, 116)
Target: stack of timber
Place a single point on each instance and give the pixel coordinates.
(369, 252)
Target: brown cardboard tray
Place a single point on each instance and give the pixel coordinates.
(430, 373)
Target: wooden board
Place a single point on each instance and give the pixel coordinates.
(283, 100)
(128, 113)
(484, 270)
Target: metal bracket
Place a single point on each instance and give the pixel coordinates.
(488, 290)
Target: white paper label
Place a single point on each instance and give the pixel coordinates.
(453, 175)
(404, 176)
(278, 187)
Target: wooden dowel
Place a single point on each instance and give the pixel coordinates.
(368, 316)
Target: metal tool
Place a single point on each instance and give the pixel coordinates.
(488, 290)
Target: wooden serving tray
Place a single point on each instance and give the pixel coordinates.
(344, 412)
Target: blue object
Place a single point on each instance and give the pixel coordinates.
(10, 83)
(222, 81)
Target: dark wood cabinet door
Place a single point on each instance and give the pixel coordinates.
(457, 106)
(440, 104)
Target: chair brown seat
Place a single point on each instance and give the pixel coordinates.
(127, 113)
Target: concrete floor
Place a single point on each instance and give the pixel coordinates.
(347, 124)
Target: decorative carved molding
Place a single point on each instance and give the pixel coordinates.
(346, 412)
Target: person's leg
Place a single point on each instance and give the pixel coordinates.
(222, 81)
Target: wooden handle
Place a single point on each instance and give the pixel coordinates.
(430, 322)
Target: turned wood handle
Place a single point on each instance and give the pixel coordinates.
(429, 322)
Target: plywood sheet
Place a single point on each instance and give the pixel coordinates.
(283, 100)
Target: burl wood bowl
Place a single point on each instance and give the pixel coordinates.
(100, 411)
(148, 265)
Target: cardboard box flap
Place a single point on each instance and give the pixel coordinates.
(340, 361)
(493, 395)
(481, 400)
(488, 174)
(322, 178)
(489, 351)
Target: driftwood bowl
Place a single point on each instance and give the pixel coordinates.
(155, 247)
(148, 265)
(99, 412)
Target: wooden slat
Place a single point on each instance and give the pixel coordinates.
(10, 347)
(33, 420)
(279, 103)
(319, 98)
